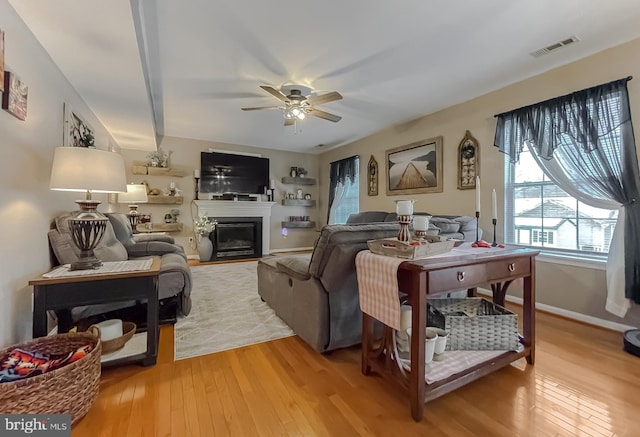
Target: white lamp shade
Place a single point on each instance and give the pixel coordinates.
(136, 193)
(84, 169)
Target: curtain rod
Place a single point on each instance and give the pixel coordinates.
(628, 78)
(345, 159)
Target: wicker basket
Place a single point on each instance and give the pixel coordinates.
(474, 324)
(71, 389)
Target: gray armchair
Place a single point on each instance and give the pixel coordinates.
(119, 244)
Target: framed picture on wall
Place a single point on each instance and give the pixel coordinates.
(468, 162)
(1, 60)
(77, 132)
(14, 97)
(415, 168)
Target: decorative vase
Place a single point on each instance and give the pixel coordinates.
(205, 248)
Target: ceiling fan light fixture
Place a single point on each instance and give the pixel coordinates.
(301, 116)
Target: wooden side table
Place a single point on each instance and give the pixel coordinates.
(429, 277)
(62, 293)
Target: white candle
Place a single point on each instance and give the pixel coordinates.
(196, 173)
(494, 204)
(477, 193)
(273, 184)
(404, 207)
(421, 222)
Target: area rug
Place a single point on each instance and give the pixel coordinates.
(227, 312)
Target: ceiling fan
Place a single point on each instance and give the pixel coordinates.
(297, 106)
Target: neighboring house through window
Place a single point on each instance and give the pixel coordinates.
(539, 213)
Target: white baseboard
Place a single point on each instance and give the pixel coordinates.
(291, 249)
(590, 320)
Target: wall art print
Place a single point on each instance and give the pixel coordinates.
(468, 162)
(14, 97)
(415, 168)
(77, 132)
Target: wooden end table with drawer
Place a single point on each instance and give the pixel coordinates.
(63, 293)
(430, 277)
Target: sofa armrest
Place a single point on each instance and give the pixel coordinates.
(153, 248)
(294, 266)
(141, 238)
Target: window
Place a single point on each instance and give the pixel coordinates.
(350, 203)
(344, 189)
(539, 213)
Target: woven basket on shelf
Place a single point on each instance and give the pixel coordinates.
(71, 389)
(474, 324)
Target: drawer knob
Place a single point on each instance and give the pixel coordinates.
(460, 276)
(512, 267)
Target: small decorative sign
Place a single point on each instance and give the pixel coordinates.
(468, 162)
(372, 177)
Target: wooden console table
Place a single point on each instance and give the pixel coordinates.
(63, 293)
(431, 276)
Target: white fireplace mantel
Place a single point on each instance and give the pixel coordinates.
(240, 208)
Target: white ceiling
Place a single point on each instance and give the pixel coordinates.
(185, 68)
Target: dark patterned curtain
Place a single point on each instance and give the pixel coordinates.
(585, 143)
(340, 171)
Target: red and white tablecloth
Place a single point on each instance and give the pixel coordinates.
(378, 287)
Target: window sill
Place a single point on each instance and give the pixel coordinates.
(575, 260)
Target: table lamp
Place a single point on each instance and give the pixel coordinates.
(136, 193)
(87, 170)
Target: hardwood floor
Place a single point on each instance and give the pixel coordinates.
(582, 384)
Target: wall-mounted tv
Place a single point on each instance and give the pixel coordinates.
(222, 173)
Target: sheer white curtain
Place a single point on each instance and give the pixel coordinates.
(339, 195)
(560, 171)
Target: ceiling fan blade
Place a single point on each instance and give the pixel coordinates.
(274, 92)
(260, 107)
(321, 114)
(289, 121)
(325, 98)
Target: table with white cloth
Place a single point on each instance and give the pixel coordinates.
(382, 278)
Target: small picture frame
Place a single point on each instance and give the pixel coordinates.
(468, 162)
(14, 97)
(1, 60)
(77, 132)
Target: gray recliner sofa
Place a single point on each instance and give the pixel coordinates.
(317, 294)
(119, 244)
(448, 226)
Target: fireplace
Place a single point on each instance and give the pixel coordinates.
(237, 238)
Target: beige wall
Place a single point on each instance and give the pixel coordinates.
(186, 154)
(572, 288)
(27, 206)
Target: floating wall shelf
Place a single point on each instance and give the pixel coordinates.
(298, 224)
(298, 202)
(167, 200)
(298, 181)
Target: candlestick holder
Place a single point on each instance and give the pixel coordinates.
(197, 188)
(404, 234)
(477, 226)
(420, 235)
(494, 221)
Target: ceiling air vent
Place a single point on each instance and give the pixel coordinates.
(555, 46)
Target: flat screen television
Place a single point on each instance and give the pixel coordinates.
(224, 173)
